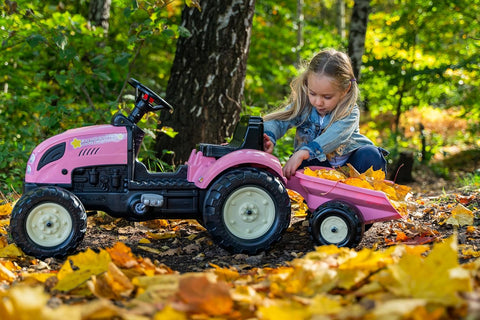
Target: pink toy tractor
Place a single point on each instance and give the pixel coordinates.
(236, 191)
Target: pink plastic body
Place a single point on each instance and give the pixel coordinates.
(202, 170)
(373, 205)
(87, 146)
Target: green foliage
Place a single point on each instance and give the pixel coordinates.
(407, 65)
(59, 71)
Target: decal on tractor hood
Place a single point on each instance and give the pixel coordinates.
(78, 143)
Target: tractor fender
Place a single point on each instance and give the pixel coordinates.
(203, 170)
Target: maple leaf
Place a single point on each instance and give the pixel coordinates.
(361, 265)
(284, 310)
(156, 289)
(357, 182)
(168, 313)
(200, 294)
(461, 216)
(123, 257)
(6, 209)
(299, 207)
(113, 284)
(469, 251)
(437, 278)
(3, 241)
(79, 268)
(11, 251)
(24, 302)
(225, 274)
(330, 174)
(6, 271)
(377, 175)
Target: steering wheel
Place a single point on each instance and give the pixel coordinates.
(153, 100)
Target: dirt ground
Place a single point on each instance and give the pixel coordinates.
(185, 246)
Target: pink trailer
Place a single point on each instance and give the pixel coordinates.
(340, 212)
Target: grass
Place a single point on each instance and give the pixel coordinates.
(470, 179)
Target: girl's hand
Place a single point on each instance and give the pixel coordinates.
(267, 144)
(294, 162)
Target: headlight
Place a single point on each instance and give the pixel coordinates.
(32, 158)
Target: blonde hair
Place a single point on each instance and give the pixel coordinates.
(333, 64)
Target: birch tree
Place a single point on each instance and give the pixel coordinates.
(358, 30)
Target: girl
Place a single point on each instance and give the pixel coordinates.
(322, 106)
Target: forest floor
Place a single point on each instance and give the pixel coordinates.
(185, 246)
(171, 269)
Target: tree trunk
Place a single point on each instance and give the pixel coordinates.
(299, 21)
(207, 77)
(341, 18)
(358, 30)
(99, 13)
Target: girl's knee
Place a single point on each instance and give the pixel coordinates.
(368, 156)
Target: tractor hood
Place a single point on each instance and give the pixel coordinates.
(53, 160)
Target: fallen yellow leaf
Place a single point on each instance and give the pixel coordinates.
(437, 278)
(79, 268)
(6, 274)
(199, 294)
(113, 284)
(357, 182)
(284, 310)
(461, 216)
(6, 209)
(11, 251)
(168, 313)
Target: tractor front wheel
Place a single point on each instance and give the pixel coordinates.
(48, 222)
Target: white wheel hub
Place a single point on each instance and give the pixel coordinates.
(249, 212)
(49, 224)
(334, 229)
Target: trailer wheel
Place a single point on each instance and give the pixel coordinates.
(48, 222)
(246, 210)
(336, 222)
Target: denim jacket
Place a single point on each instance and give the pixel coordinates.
(340, 139)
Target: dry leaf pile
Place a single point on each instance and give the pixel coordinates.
(386, 278)
(370, 179)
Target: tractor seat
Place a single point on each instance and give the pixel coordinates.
(248, 134)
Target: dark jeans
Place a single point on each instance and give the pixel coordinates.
(361, 159)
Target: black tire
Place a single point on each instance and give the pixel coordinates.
(336, 222)
(48, 222)
(246, 210)
(368, 226)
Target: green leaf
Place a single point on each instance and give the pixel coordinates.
(184, 32)
(61, 41)
(123, 58)
(169, 131)
(127, 12)
(102, 75)
(61, 79)
(168, 33)
(68, 54)
(35, 39)
(193, 3)
(79, 79)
